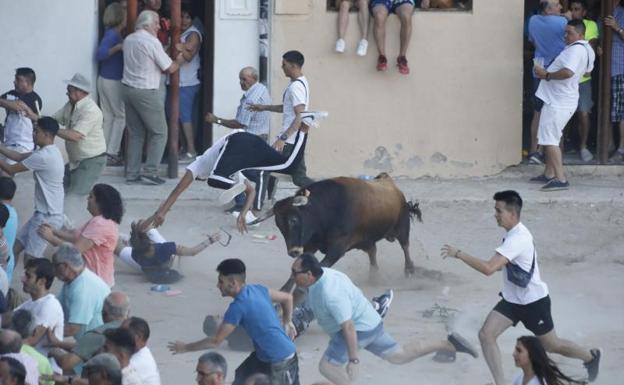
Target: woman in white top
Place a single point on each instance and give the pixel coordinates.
(537, 369)
(189, 45)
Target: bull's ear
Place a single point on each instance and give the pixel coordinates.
(300, 200)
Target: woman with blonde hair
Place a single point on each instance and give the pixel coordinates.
(109, 55)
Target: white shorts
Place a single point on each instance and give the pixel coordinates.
(33, 244)
(551, 124)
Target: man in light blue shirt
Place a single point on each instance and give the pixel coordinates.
(83, 292)
(352, 323)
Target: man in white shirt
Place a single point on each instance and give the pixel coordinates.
(522, 300)
(46, 310)
(144, 62)
(142, 360)
(559, 90)
(120, 343)
(295, 101)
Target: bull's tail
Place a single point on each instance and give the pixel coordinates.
(414, 209)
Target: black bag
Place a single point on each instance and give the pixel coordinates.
(517, 276)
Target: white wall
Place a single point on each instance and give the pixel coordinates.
(236, 46)
(55, 38)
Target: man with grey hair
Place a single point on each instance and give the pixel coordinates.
(10, 345)
(144, 62)
(69, 354)
(83, 292)
(255, 122)
(211, 369)
(103, 369)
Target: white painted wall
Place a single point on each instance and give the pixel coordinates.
(55, 38)
(236, 46)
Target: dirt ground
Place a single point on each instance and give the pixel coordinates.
(579, 236)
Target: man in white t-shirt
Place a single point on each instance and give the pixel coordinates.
(295, 101)
(48, 168)
(46, 310)
(529, 304)
(142, 360)
(559, 91)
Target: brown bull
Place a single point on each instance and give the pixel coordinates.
(339, 214)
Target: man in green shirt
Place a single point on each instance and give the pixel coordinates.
(579, 11)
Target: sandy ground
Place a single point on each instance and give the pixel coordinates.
(579, 235)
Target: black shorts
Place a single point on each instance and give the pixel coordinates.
(281, 373)
(535, 316)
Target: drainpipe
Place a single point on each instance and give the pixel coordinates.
(264, 35)
(174, 93)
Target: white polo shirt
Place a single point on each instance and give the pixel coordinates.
(144, 60)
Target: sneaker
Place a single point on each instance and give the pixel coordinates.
(541, 179)
(402, 64)
(585, 155)
(462, 345)
(186, 158)
(249, 217)
(226, 196)
(382, 63)
(152, 180)
(136, 180)
(340, 45)
(362, 47)
(617, 157)
(382, 303)
(114, 161)
(536, 158)
(593, 365)
(302, 317)
(555, 185)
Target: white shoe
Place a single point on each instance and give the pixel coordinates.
(362, 47)
(340, 45)
(227, 195)
(586, 155)
(249, 217)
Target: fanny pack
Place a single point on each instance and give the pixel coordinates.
(517, 276)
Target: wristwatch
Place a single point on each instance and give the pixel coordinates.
(219, 121)
(354, 361)
(283, 137)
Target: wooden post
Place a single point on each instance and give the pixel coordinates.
(131, 14)
(174, 93)
(604, 102)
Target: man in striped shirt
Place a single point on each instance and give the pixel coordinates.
(255, 122)
(145, 60)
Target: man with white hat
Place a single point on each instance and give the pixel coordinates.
(84, 137)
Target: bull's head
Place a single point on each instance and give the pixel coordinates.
(293, 218)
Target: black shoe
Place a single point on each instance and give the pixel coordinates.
(152, 180)
(382, 303)
(462, 345)
(541, 179)
(136, 180)
(593, 365)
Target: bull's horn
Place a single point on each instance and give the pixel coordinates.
(300, 200)
(262, 218)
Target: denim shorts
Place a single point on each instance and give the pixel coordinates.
(585, 102)
(391, 5)
(187, 99)
(376, 341)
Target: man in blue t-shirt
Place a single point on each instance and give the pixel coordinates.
(253, 310)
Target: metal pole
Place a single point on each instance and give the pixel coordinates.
(605, 126)
(174, 93)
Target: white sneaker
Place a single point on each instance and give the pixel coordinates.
(227, 195)
(586, 155)
(249, 217)
(362, 47)
(340, 45)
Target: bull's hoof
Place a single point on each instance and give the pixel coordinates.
(409, 271)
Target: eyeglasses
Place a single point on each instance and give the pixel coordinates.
(294, 272)
(227, 241)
